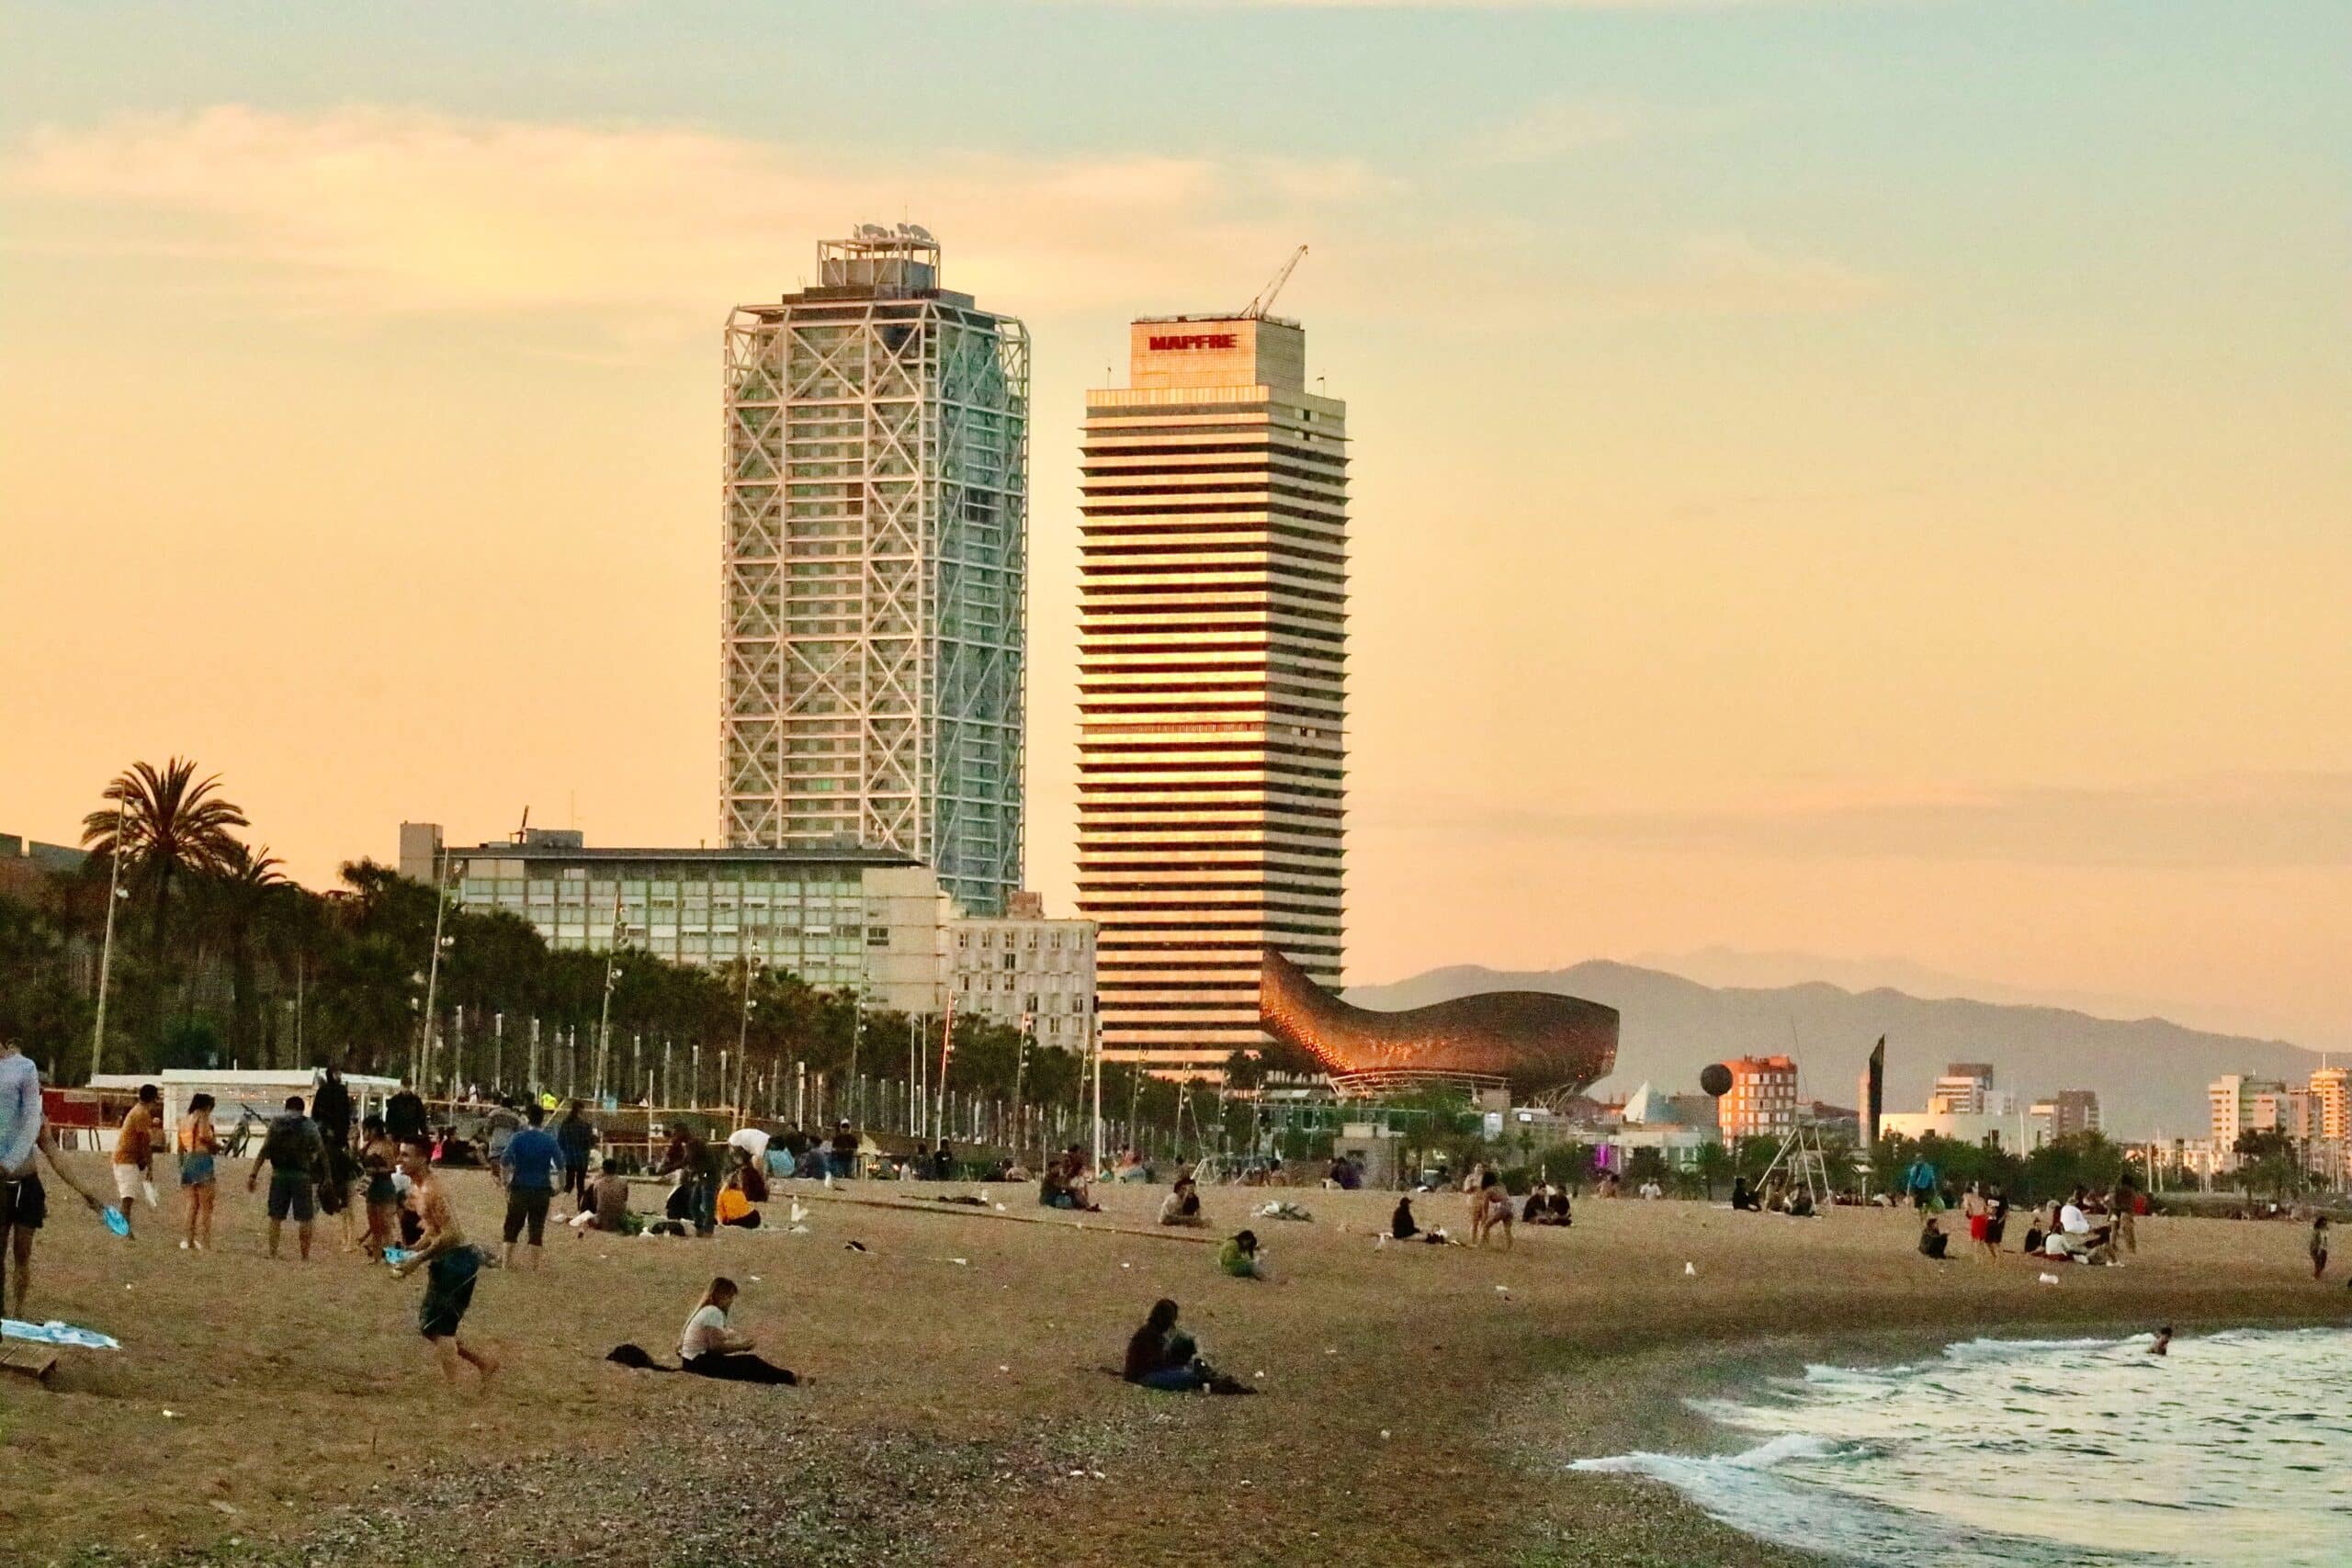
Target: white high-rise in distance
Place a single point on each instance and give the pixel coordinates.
(1213, 703)
(876, 567)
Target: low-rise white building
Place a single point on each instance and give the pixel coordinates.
(1021, 966)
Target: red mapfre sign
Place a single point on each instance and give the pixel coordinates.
(1179, 341)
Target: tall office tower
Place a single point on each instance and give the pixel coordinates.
(876, 569)
(1212, 646)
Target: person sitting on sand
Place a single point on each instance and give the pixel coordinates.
(1238, 1256)
(1401, 1225)
(1162, 1357)
(1555, 1206)
(1182, 1204)
(1932, 1240)
(1532, 1212)
(734, 1206)
(1742, 1196)
(1800, 1205)
(712, 1347)
(2162, 1344)
(607, 1207)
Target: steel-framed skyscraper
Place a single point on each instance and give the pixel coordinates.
(876, 567)
(1212, 694)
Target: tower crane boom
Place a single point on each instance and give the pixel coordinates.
(1256, 309)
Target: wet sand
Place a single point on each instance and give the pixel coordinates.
(1419, 1402)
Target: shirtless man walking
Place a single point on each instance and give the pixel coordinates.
(450, 1267)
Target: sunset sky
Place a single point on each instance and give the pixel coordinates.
(1869, 480)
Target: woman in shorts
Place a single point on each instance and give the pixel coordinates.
(199, 1178)
(377, 1155)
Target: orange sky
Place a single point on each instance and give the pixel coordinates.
(1779, 523)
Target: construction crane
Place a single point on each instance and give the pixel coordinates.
(1256, 309)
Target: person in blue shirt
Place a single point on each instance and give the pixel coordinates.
(533, 1165)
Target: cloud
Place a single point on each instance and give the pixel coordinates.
(1736, 274)
(1552, 129)
(2250, 822)
(386, 211)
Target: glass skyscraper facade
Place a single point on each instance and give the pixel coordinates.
(875, 569)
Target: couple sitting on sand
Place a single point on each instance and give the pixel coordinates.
(1064, 1184)
(1546, 1205)
(1183, 1205)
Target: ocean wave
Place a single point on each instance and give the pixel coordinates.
(2007, 1451)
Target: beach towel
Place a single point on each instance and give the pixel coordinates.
(56, 1332)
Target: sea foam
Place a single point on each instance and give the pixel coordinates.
(2235, 1450)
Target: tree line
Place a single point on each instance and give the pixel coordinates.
(219, 959)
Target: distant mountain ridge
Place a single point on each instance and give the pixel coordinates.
(2150, 1074)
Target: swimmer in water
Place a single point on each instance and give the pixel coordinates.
(2162, 1344)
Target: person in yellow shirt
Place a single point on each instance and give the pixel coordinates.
(735, 1207)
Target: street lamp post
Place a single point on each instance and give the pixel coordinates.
(433, 975)
(743, 1031)
(612, 978)
(115, 895)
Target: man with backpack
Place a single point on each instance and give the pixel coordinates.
(297, 1155)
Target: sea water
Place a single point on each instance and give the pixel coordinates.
(2236, 1449)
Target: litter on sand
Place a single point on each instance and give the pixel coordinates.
(116, 1220)
(1690, 1271)
(853, 1247)
(2049, 1279)
(1279, 1209)
(56, 1332)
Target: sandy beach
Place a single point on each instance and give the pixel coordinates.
(1419, 1403)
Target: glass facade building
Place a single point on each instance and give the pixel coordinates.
(875, 569)
(840, 920)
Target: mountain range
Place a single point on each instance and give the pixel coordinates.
(2150, 1074)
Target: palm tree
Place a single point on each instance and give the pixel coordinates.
(244, 894)
(166, 824)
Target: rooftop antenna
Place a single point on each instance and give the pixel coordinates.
(523, 833)
(1256, 309)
